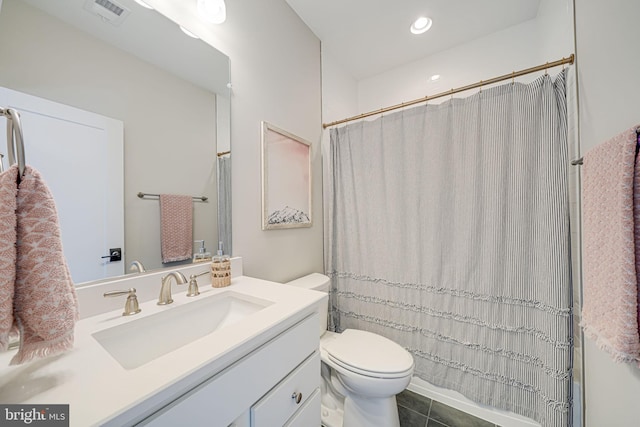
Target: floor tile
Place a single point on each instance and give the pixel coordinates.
(434, 423)
(409, 418)
(414, 401)
(455, 418)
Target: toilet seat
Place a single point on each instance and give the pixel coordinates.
(370, 374)
(369, 354)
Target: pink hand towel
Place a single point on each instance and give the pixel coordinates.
(45, 303)
(8, 239)
(176, 222)
(610, 308)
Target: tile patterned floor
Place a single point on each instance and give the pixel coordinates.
(419, 411)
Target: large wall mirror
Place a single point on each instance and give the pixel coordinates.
(167, 90)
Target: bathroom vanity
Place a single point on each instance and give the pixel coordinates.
(290, 361)
(244, 355)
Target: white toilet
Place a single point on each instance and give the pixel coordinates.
(361, 371)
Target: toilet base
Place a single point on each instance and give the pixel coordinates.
(332, 401)
(331, 417)
(342, 408)
(363, 412)
(384, 414)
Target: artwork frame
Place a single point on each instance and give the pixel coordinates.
(286, 180)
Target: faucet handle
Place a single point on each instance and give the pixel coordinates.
(131, 305)
(193, 284)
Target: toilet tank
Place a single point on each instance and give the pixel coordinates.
(316, 282)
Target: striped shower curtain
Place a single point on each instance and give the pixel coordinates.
(448, 232)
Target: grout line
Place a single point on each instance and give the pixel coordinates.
(420, 415)
(412, 410)
(438, 423)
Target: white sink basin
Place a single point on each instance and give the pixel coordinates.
(142, 340)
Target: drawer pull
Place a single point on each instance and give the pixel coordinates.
(297, 397)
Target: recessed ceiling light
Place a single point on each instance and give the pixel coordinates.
(421, 25)
(214, 11)
(187, 32)
(143, 4)
(434, 77)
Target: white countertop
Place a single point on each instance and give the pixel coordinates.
(100, 391)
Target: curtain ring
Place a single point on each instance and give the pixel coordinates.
(513, 78)
(480, 91)
(546, 71)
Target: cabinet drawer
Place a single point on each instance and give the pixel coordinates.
(221, 399)
(309, 414)
(280, 403)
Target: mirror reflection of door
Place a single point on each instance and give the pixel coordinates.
(69, 146)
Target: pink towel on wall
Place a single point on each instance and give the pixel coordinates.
(176, 223)
(44, 307)
(610, 308)
(8, 239)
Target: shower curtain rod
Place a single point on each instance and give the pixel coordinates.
(481, 83)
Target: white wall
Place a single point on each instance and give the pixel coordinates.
(484, 58)
(339, 90)
(607, 43)
(546, 38)
(167, 149)
(275, 71)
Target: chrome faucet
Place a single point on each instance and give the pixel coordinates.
(137, 265)
(165, 290)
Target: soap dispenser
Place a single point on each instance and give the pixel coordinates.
(220, 269)
(202, 255)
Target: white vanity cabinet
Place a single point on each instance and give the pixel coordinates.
(275, 385)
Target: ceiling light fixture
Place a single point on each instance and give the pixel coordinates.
(214, 11)
(434, 77)
(421, 25)
(143, 4)
(187, 32)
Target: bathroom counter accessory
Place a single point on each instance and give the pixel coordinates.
(220, 269)
(220, 273)
(202, 255)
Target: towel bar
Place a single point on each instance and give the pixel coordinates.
(143, 195)
(579, 161)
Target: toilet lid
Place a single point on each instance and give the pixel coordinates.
(369, 354)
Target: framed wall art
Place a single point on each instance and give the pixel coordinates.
(286, 179)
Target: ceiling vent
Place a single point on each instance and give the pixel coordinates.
(109, 10)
